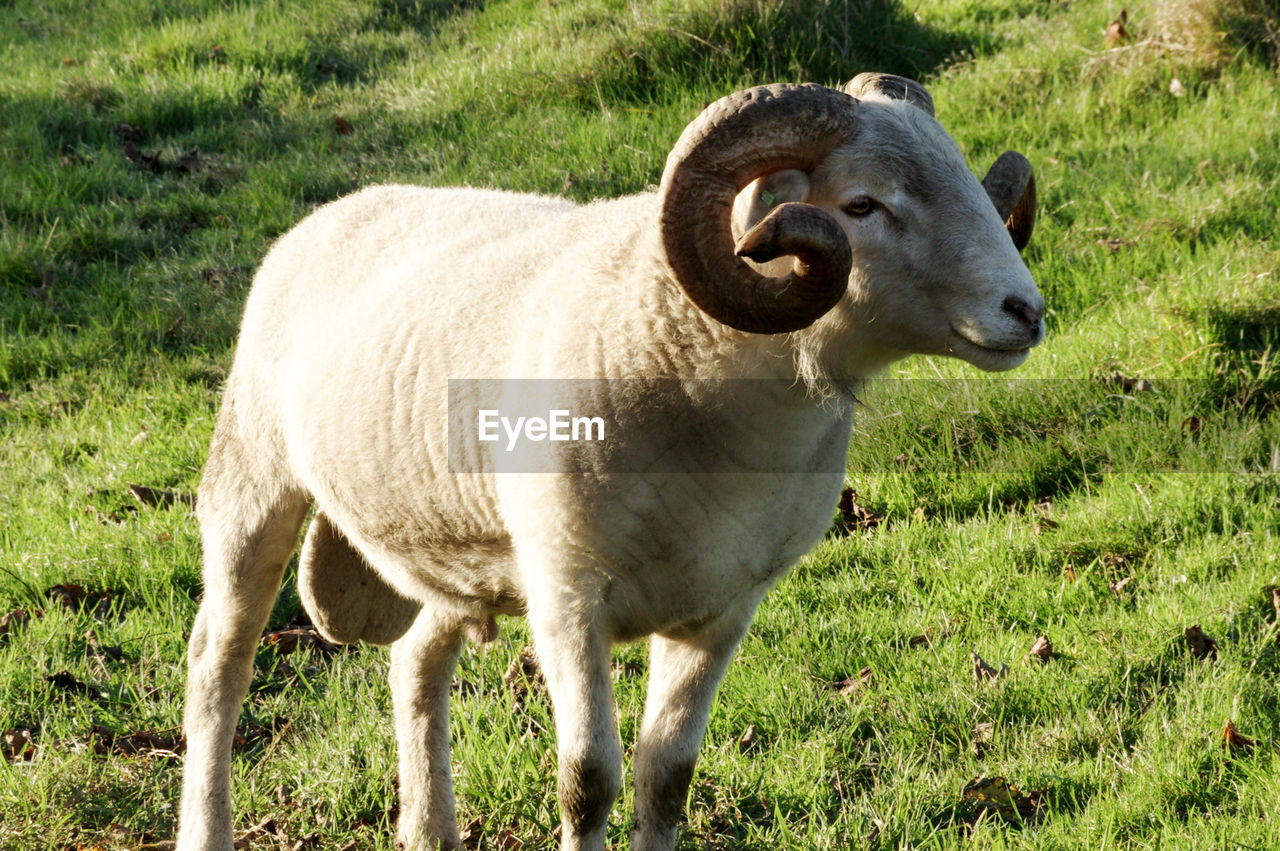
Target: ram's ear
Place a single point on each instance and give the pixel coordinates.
(1011, 185)
(763, 194)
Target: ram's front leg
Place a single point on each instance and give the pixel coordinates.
(684, 672)
(574, 655)
(422, 666)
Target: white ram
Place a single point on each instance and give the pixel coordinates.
(339, 397)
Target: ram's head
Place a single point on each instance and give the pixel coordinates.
(856, 206)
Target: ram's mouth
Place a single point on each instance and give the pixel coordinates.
(986, 358)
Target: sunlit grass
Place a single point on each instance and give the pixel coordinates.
(1107, 515)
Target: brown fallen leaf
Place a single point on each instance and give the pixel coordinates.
(507, 841)
(105, 741)
(1193, 425)
(995, 795)
(146, 162)
(1041, 649)
(1070, 572)
(855, 516)
(749, 739)
(983, 733)
(1202, 646)
(65, 683)
(1233, 742)
(16, 746)
(112, 652)
(1130, 385)
(156, 498)
(290, 639)
(1045, 520)
(524, 674)
(1115, 244)
(15, 620)
(1117, 31)
(850, 686)
(1275, 600)
(1118, 585)
(75, 598)
(190, 162)
(341, 125)
(471, 833)
(982, 672)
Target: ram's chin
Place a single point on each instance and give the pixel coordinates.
(986, 359)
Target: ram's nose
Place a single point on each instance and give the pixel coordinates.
(1029, 315)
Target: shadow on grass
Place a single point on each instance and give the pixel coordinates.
(753, 43)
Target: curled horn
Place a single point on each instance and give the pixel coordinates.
(1011, 185)
(892, 86)
(735, 140)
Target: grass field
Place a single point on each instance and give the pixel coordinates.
(1124, 487)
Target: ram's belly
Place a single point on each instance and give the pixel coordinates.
(667, 553)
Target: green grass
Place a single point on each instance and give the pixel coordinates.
(120, 289)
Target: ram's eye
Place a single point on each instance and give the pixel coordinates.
(860, 206)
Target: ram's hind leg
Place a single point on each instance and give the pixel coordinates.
(684, 673)
(249, 519)
(422, 666)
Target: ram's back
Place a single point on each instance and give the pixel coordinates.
(361, 315)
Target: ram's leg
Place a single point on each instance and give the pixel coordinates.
(249, 524)
(422, 666)
(684, 673)
(574, 655)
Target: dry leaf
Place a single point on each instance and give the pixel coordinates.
(1234, 742)
(507, 841)
(1118, 586)
(983, 733)
(114, 652)
(1176, 88)
(106, 741)
(1117, 32)
(1041, 650)
(146, 162)
(995, 795)
(1202, 646)
(855, 516)
(471, 833)
(1070, 572)
(1114, 245)
(1131, 385)
(983, 672)
(524, 674)
(156, 498)
(67, 684)
(290, 639)
(850, 686)
(342, 125)
(14, 621)
(16, 746)
(748, 740)
(190, 162)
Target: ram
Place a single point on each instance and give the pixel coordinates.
(802, 239)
